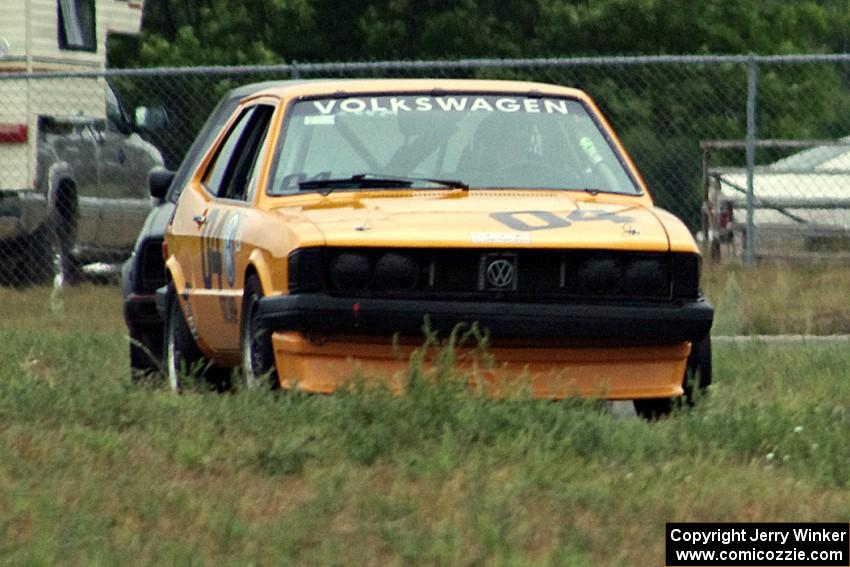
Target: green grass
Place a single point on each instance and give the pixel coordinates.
(779, 298)
(85, 307)
(96, 471)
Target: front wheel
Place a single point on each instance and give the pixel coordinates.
(696, 382)
(64, 222)
(258, 365)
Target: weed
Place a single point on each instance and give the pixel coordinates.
(96, 470)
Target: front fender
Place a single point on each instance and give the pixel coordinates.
(175, 276)
(257, 261)
(34, 208)
(57, 174)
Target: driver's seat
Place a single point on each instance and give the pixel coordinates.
(499, 141)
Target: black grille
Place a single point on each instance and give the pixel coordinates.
(540, 275)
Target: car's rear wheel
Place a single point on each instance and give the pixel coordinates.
(258, 365)
(184, 361)
(696, 382)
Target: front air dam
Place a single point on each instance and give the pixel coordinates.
(552, 372)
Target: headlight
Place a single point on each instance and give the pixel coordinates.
(350, 271)
(600, 275)
(645, 277)
(394, 271)
(685, 273)
(306, 268)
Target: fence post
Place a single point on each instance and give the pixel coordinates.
(296, 74)
(752, 86)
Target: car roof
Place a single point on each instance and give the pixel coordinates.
(318, 87)
(252, 88)
(210, 129)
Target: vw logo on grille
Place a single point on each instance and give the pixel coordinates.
(500, 273)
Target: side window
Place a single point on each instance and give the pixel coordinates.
(228, 175)
(77, 29)
(254, 176)
(116, 120)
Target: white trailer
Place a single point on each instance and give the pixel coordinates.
(801, 203)
(65, 142)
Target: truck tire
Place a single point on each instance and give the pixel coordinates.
(63, 220)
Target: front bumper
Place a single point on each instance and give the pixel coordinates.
(140, 306)
(635, 323)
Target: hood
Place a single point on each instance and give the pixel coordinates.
(484, 219)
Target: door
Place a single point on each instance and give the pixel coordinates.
(217, 275)
(124, 160)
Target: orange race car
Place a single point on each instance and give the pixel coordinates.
(330, 218)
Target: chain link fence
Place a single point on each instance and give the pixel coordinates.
(751, 152)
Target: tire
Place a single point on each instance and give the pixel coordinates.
(696, 382)
(698, 372)
(145, 354)
(258, 364)
(183, 358)
(716, 253)
(41, 265)
(63, 222)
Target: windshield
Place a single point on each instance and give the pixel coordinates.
(492, 141)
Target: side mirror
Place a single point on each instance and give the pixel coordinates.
(150, 117)
(159, 180)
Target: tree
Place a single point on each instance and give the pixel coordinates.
(652, 106)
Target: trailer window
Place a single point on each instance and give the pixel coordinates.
(77, 30)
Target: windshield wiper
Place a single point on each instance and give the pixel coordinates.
(374, 181)
(594, 191)
(447, 183)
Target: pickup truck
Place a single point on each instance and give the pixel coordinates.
(89, 195)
